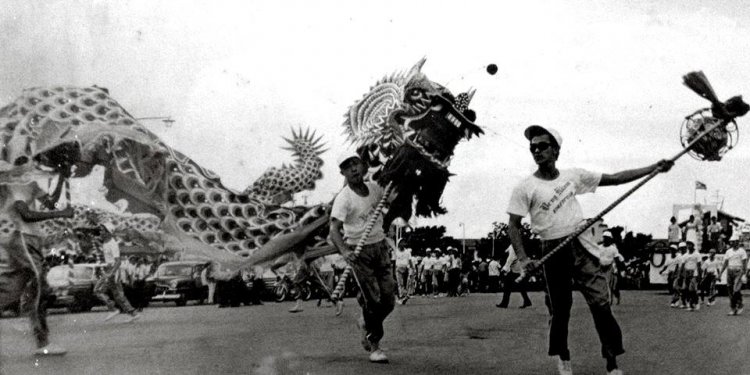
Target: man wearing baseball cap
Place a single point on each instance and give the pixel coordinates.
(548, 198)
(350, 213)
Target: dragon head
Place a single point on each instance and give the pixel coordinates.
(408, 127)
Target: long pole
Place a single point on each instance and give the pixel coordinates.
(614, 204)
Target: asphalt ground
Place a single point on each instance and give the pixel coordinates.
(465, 335)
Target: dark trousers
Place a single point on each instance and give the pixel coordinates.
(570, 266)
(509, 284)
(374, 273)
(493, 284)
(23, 279)
(109, 290)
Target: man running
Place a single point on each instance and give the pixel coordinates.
(352, 208)
(109, 284)
(548, 197)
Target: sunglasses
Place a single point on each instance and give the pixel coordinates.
(541, 146)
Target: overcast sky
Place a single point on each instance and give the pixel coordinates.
(237, 76)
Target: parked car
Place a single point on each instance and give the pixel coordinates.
(179, 282)
(74, 288)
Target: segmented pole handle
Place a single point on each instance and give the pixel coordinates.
(339, 290)
(614, 204)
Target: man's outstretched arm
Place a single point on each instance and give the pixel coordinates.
(626, 176)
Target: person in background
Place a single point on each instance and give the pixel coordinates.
(454, 272)
(403, 267)
(674, 233)
(608, 258)
(109, 285)
(735, 263)
(493, 275)
(670, 266)
(207, 278)
(511, 270)
(691, 273)
(711, 267)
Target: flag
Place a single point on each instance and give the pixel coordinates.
(700, 186)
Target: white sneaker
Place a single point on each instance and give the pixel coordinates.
(732, 312)
(739, 311)
(690, 308)
(563, 367)
(673, 305)
(616, 371)
(50, 350)
(112, 315)
(377, 356)
(697, 307)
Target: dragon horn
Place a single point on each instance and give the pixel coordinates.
(416, 69)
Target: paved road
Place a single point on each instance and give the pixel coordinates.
(426, 336)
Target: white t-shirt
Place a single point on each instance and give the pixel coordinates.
(675, 233)
(402, 258)
(735, 257)
(445, 261)
(429, 263)
(672, 263)
(494, 268)
(111, 250)
(691, 260)
(552, 205)
(354, 211)
(712, 266)
(608, 254)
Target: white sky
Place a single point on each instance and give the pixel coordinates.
(237, 76)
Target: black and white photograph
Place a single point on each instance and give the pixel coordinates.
(374, 187)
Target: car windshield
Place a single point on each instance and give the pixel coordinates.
(174, 270)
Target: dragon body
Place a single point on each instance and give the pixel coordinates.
(406, 128)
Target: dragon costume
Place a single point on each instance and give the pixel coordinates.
(406, 127)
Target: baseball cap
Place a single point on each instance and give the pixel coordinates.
(682, 244)
(346, 156)
(673, 247)
(607, 234)
(535, 130)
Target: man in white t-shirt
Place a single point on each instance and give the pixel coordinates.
(670, 266)
(108, 285)
(403, 267)
(735, 263)
(548, 197)
(711, 267)
(511, 270)
(608, 257)
(352, 208)
(691, 267)
(493, 275)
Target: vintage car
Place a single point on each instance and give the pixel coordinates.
(179, 282)
(73, 288)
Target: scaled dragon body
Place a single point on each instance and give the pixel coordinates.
(405, 119)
